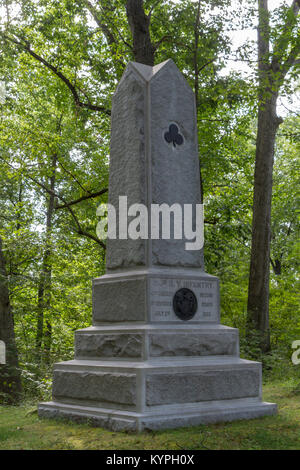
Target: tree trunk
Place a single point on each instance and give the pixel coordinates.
(139, 23)
(271, 72)
(258, 291)
(276, 265)
(196, 82)
(10, 377)
(44, 289)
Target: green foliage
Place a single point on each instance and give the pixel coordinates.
(41, 119)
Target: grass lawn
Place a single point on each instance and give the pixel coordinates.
(20, 428)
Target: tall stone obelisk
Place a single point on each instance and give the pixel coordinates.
(156, 355)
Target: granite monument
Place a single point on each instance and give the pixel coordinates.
(156, 356)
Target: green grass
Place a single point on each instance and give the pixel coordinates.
(20, 428)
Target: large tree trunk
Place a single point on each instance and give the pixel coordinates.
(258, 292)
(44, 289)
(258, 289)
(10, 376)
(272, 70)
(139, 23)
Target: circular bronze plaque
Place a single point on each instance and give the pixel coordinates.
(185, 304)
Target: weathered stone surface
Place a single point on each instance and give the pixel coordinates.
(108, 345)
(143, 296)
(222, 413)
(80, 415)
(189, 344)
(119, 301)
(127, 173)
(202, 386)
(162, 419)
(175, 170)
(146, 168)
(95, 386)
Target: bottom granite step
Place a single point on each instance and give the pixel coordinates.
(157, 394)
(161, 417)
(137, 385)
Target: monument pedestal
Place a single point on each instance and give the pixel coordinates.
(156, 370)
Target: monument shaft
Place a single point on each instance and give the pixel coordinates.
(156, 355)
(148, 163)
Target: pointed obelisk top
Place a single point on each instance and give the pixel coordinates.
(147, 72)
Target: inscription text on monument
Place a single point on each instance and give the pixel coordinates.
(163, 290)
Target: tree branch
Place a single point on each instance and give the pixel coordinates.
(290, 61)
(83, 198)
(282, 42)
(153, 8)
(79, 229)
(164, 38)
(26, 47)
(104, 28)
(72, 176)
(110, 37)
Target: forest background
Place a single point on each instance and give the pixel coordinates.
(60, 63)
